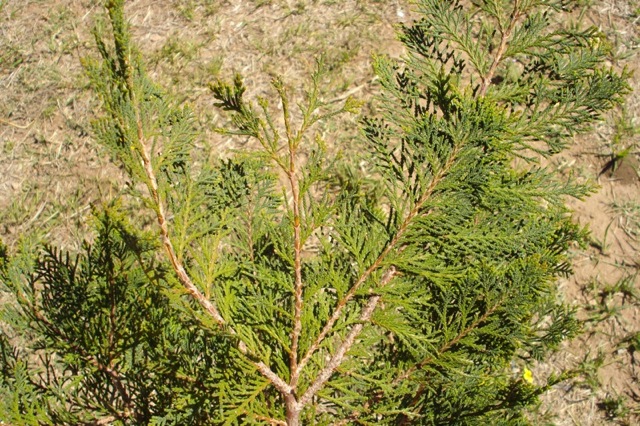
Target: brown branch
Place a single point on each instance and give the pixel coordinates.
(297, 318)
(152, 185)
(347, 343)
(179, 269)
(293, 408)
(378, 262)
(109, 370)
(267, 372)
(442, 350)
(293, 139)
(378, 395)
(185, 280)
(183, 277)
(338, 356)
(449, 344)
(504, 39)
(297, 236)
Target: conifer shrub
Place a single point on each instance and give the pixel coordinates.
(284, 287)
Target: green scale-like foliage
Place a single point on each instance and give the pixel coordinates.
(97, 337)
(287, 286)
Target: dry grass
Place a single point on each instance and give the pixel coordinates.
(52, 171)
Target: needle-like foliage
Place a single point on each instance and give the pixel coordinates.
(283, 287)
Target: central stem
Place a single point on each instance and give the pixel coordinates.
(293, 409)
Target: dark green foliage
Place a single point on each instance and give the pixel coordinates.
(294, 290)
(95, 337)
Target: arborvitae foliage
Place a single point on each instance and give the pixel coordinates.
(279, 287)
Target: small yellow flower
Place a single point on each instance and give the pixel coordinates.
(527, 375)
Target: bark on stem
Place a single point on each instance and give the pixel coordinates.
(449, 344)
(109, 370)
(298, 303)
(504, 39)
(288, 389)
(378, 262)
(348, 342)
(177, 266)
(293, 408)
